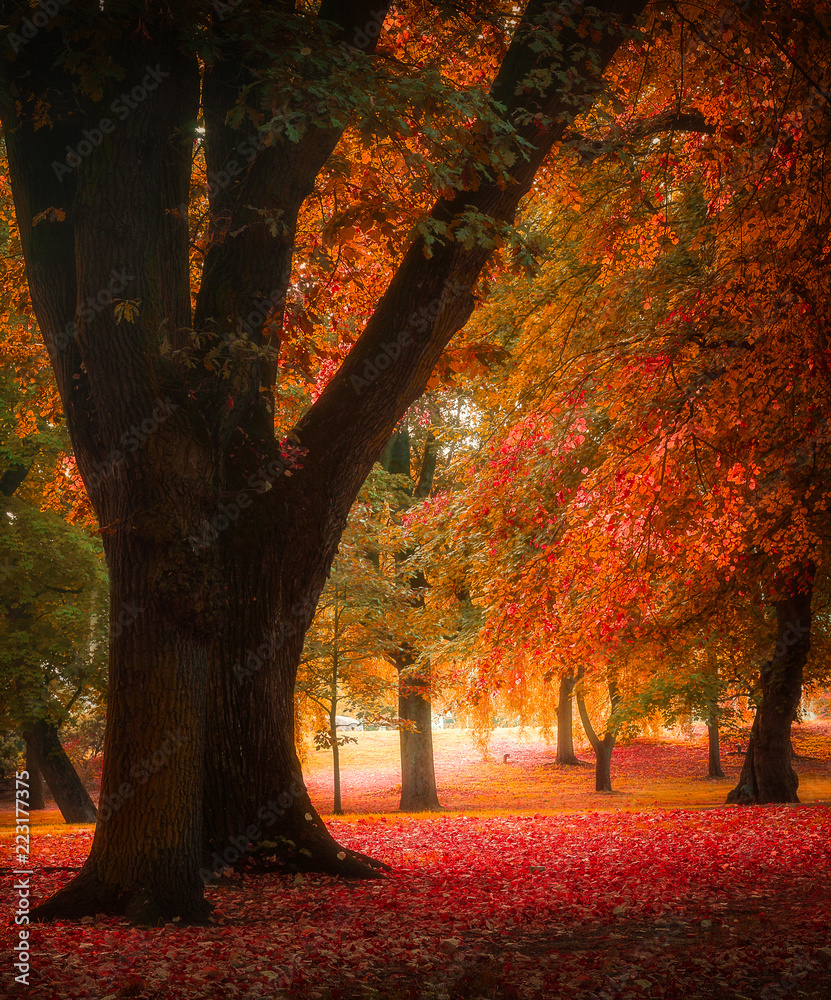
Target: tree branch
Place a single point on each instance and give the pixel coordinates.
(257, 190)
(430, 296)
(593, 738)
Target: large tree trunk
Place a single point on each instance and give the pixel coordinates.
(146, 852)
(36, 796)
(565, 721)
(767, 773)
(254, 790)
(67, 789)
(216, 559)
(418, 775)
(148, 464)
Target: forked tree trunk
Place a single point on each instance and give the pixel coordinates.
(565, 721)
(767, 773)
(216, 558)
(37, 799)
(604, 746)
(67, 788)
(714, 769)
(418, 775)
(254, 789)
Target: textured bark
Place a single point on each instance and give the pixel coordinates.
(37, 799)
(67, 789)
(714, 769)
(418, 776)
(565, 721)
(147, 466)
(216, 558)
(767, 773)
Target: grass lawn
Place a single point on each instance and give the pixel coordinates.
(646, 773)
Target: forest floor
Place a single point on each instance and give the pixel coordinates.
(529, 885)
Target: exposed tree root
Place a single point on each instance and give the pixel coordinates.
(310, 852)
(87, 896)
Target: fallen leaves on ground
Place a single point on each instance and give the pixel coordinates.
(728, 902)
(665, 772)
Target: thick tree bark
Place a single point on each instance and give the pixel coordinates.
(148, 467)
(565, 721)
(767, 773)
(714, 769)
(67, 789)
(37, 799)
(216, 558)
(604, 746)
(254, 788)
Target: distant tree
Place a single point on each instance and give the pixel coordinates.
(53, 639)
(605, 744)
(410, 653)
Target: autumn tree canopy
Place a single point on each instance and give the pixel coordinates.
(653, 457)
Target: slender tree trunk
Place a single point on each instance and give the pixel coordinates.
(418, 775)
(67, 789)
(419, 792)
(36, 796)
(714, 769)
(767, 773)
(337, 807)
(602, 747)
(565, 721)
